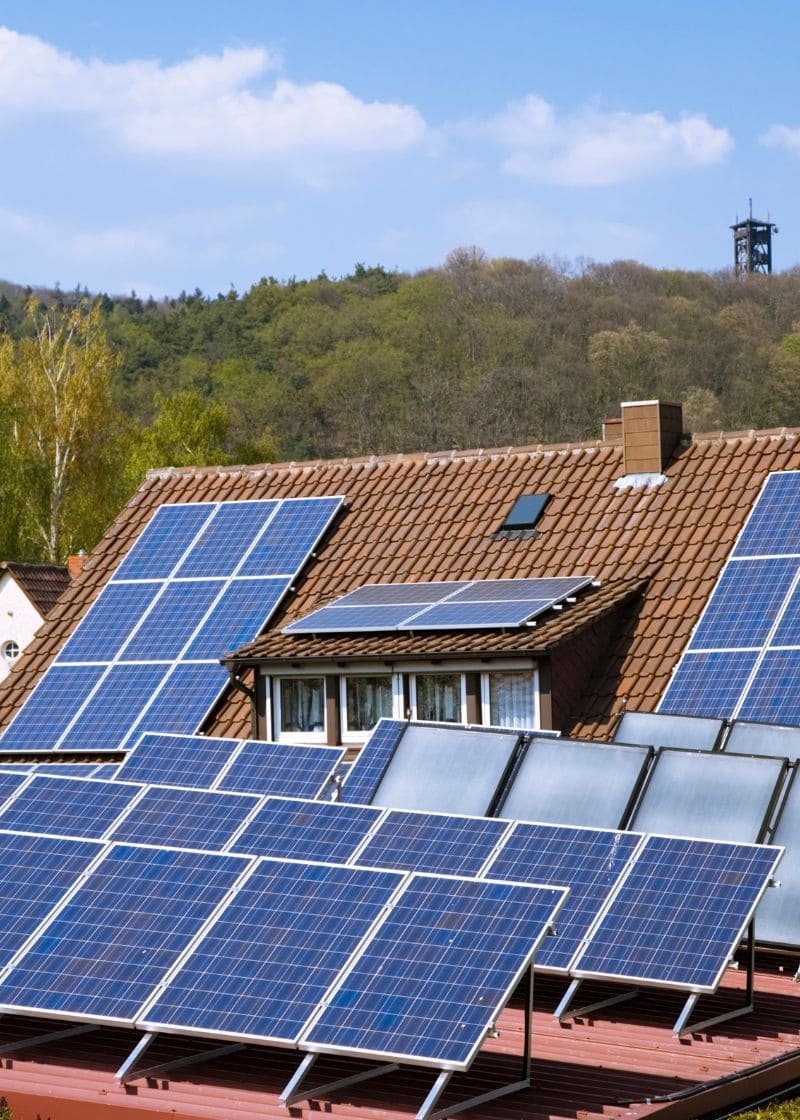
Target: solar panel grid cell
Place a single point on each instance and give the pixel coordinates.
(188, 695)
(219, 549)
(172, 621)
(67, 806)
(163, 541)
(117, 703)
(184, 818)
(773, 527)
(745, 604)
(438, 843)
(708, 684)
(109, 622)
(270, 958)
(39, 724)
(774, 695)
(177, 760)
(308, 830)
(240, 614)
(504, 612)
(365, 774)
(291, 534)
(282, 769)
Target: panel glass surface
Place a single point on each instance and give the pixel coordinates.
(41, 721)
(292, 533)
(184, 818)
(269, 959)
(661, 730)
(172, 621)
(177, 760)
(186, 699)
(389, 594)
(774, 695)
(111, 618)
(590, 862)
(163, 541)
(708, 684)
(67, 806)
(363, 618)
(433, 979)
(219, 549)
(778, 914)
(105, 953)
(564, 781)
(327, 831)
(364, 775)
(114, 707)
(10, 782)
(679, 914)
(488, 590)
(446, 845)
(106, 771)
(238, 617)
(447, 770)
(745, 603)
(764, 738)
(505, 612)
(718, 796)
(773, 527)
(282, 769)
(35, 872)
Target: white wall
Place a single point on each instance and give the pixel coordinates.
(19, 619)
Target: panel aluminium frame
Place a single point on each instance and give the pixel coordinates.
(746, 928)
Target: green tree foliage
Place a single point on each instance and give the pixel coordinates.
(478, 352)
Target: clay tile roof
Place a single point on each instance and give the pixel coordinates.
(42, 583)
(419, 517)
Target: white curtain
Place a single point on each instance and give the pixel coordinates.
(302, 704)
(512, 701)
(439, 697)
(368, 699)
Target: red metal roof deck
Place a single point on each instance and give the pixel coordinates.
(598, 1068)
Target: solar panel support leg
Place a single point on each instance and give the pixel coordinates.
(563, 1010)
(292, 1093)
(682, 1028)
(123, 1074)
(51, 1036)
(426, 1113)
(526, 1057)
(191, 1060)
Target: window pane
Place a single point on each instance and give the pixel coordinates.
(439, 697)
(368, 699)
(302, 704)
(512, 701)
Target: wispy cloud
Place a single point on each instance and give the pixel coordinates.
(592, 148)
(781, 136)
(227, 105)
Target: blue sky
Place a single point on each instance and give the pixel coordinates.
(159, 147)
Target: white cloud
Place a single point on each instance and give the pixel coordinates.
(594, 148)
(212, 105)
(781, 136)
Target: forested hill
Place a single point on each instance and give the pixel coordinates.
(476, 353)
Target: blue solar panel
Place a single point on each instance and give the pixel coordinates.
(506, 612)
(114, 707)
(269, 959)
(788, 631)
(10, 783)
(497, 590)
(67, 806)
(283, 547)
(219, 549)
(103, 955)
(238, 617)
(430, 983)
(365, 774)
(162, 543)
(745, 604)
(773, 527)
(177, 760)
(588, 861)
(109, 621)
(186, 699)
(35, 873)
(679, 914)
(446, 845)
(774, 695)
(183, 818)
(106, 771)
(387, 594)
(363, 618)
(282, 769)
(59, 693)
(172, 621)
(329, 831)
(708, 684)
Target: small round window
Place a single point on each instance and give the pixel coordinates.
(9, 652)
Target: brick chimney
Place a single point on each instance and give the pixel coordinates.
(651, 430)
(75, 563)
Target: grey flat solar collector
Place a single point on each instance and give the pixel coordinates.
(574, 782)
(717, 796)
(778, 916)
(764, 738)
(663, 730)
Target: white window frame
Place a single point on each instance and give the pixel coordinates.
(273, 686)
(5, 651)
(397, 700)
(486, 705)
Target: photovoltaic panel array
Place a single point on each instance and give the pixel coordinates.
(589, 861)
(113, 943)
(77, 807)
(184, 818)
(329, 831)
(233, 765)
(430, 982)
(679, 914)
(277, 948)
(201, 579)
(743, 658)
(456, 605)
(433, 842)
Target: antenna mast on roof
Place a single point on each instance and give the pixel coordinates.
(752, 244)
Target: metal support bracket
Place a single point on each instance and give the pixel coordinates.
(191, 1060)
(123, 1074)
(682, 1026)
(563, 1011)
(52, 1036)
(425, 1112)
(292, 1093)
